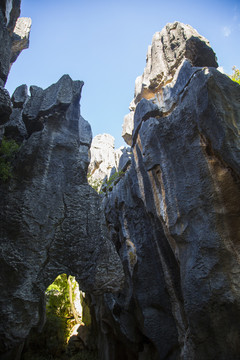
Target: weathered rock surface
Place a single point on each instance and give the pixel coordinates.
(128, 127)
(51, 222)
(5, 106)
(15, 128)
(14, 35)
(20, 96)
(104, 157)
(170, 47)
(20, 39)
(175, 215)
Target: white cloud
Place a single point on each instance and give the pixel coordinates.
(226, 31)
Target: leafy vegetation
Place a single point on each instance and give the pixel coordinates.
(113, 180)
(102, 186)
(8, 149)
(52, 342)
(57, 295)
(236, 75)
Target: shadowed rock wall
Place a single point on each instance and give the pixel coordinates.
(51, 222)
(174, 218)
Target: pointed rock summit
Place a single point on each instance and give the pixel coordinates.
(170, 48)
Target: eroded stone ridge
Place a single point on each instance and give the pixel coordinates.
(51, 221)
(174, 217)
(170, 47)
(104, 157)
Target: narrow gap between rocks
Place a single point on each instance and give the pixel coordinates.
(67, 332)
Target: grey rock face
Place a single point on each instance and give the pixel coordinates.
(14, 35)
(104, 157)
(20, 96)
(170, 47)
(174, 218)
(51, 221)
(15, 128)
(5, 106)
(128, 128)
(125, 159)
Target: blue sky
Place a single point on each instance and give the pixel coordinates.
(104, 43)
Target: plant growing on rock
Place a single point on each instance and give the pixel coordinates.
(236, 75)
(8, 149)
(113, 180)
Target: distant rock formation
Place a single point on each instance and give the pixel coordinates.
(104, 157)
(175, 215)
(170, 47)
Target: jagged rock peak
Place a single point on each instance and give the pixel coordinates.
(170, 47)
(55, 99)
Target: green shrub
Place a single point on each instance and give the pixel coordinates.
(113, 180)
(236, 75)
(57, 295)
(8, 149)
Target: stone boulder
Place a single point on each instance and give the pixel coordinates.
(174, 215)
(51, 221)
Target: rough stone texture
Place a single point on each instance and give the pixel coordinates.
(9, 12)
(20, 96)
(51, 222)
(20, 38)
(175, 219)
(125, 159)
(128, 127)
(15, 128)
(5, 106)
(170, 47)
(104, 157)
(14, 35)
